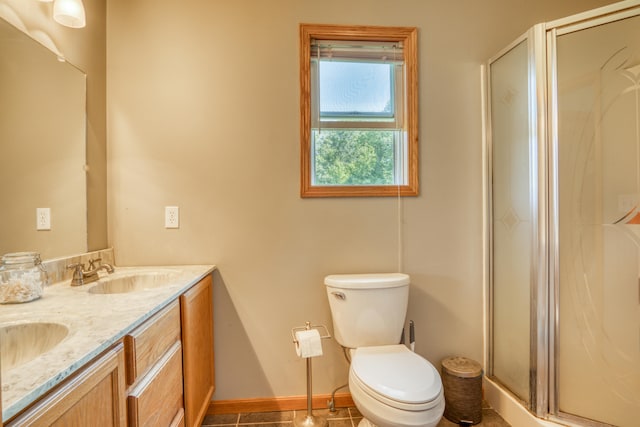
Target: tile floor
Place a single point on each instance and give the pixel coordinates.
(343, 417)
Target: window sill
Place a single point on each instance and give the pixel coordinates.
(358, 191)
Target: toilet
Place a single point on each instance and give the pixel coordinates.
(390, 385)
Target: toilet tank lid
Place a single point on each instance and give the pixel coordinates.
(367, 281)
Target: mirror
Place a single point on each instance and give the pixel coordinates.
(42, 147)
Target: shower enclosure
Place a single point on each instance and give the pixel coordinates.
(563, 222)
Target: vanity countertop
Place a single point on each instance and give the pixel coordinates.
(95, 322)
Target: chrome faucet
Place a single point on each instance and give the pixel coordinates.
(82, 277)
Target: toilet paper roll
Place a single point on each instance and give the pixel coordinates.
(309, 343)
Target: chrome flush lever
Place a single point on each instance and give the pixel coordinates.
(339, 295)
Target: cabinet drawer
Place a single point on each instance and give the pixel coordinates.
(145, 345)
(157, 399)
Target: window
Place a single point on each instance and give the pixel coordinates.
(359, 111)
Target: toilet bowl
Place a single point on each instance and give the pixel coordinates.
(394, 387)
(390, 385)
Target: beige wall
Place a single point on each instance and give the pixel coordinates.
(203, 114)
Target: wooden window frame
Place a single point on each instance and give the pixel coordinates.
(409, 37)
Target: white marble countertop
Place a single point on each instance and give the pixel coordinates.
(95, 322)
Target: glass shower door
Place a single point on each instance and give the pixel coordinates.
(511, 224)
(597, 357)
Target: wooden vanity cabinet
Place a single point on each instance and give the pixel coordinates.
(196, 307)
(170, 362)
(160, 374)
(154, 370)
(93, 395)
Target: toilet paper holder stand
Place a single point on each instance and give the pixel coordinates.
(309, 420)
(307, 327)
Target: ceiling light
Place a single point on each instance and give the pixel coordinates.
(69, 13)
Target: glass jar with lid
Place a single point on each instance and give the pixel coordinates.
(22, 277)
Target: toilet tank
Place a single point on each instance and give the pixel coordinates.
(368, 309)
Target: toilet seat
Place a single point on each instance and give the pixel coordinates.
(397, 377)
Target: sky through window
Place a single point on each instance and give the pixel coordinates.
(355, 87)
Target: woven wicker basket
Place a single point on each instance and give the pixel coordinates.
(462, 380)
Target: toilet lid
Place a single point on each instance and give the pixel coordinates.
(396, 373)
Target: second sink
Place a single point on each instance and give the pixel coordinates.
(132, 282)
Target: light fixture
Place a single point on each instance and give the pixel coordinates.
(69, 13)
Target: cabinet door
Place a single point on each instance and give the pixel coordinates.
(94, 396)
(196, 307)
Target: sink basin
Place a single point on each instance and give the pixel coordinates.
(133, 282)
(23, 342)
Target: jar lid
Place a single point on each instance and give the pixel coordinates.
(20, 257)
(462, 367)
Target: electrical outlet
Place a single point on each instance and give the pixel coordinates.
(43, 218)
(171, 217)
